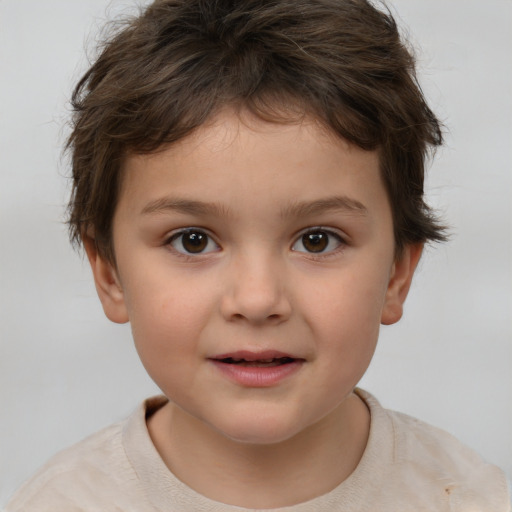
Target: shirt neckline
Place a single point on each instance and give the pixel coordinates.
(166, 492)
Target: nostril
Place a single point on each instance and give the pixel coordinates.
(240, 316)
(253, 306)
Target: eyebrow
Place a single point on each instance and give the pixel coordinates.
(334, 203)
(166, 204)
(297, 209)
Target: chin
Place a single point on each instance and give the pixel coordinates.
(260, 429)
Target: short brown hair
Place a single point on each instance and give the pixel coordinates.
(179, 62)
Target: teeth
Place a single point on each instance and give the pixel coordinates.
(259, 362)
(262, 364)
(269, 361)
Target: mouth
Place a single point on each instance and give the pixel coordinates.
(266, 359)
(257, 363)
(257, 369)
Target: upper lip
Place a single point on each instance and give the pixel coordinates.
(248, 355)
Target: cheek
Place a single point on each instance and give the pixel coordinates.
(167, 337)
(167, 316)
(345, 312)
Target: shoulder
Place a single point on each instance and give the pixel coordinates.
(85, 476)
(428, 459)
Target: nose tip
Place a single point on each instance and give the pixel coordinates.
(257, 297)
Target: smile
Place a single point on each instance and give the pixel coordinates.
(262, 369)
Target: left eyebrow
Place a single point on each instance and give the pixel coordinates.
(309, 208)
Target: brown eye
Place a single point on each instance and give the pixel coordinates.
(318, 241)
(193, 242)
(315, 242)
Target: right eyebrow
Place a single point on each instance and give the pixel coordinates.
(190, 206)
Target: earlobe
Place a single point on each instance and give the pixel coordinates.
(399, 283)
(107, 283)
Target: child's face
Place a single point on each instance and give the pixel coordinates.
(251, 240)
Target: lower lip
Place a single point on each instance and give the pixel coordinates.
(257, 377)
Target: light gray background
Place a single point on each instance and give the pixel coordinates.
(65, 371)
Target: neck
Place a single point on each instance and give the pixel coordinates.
(262, 476)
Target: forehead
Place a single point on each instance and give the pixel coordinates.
(237, 158)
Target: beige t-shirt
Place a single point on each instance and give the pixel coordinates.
(407, 466)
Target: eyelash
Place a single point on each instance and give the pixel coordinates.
(301, 238)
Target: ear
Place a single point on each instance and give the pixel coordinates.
(107, 283)
(399, 283)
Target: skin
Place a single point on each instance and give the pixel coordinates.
(256, 286)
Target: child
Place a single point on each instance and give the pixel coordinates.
(248, 187)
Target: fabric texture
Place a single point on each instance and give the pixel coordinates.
(407, 465)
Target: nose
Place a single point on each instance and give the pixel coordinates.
(255, 291)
